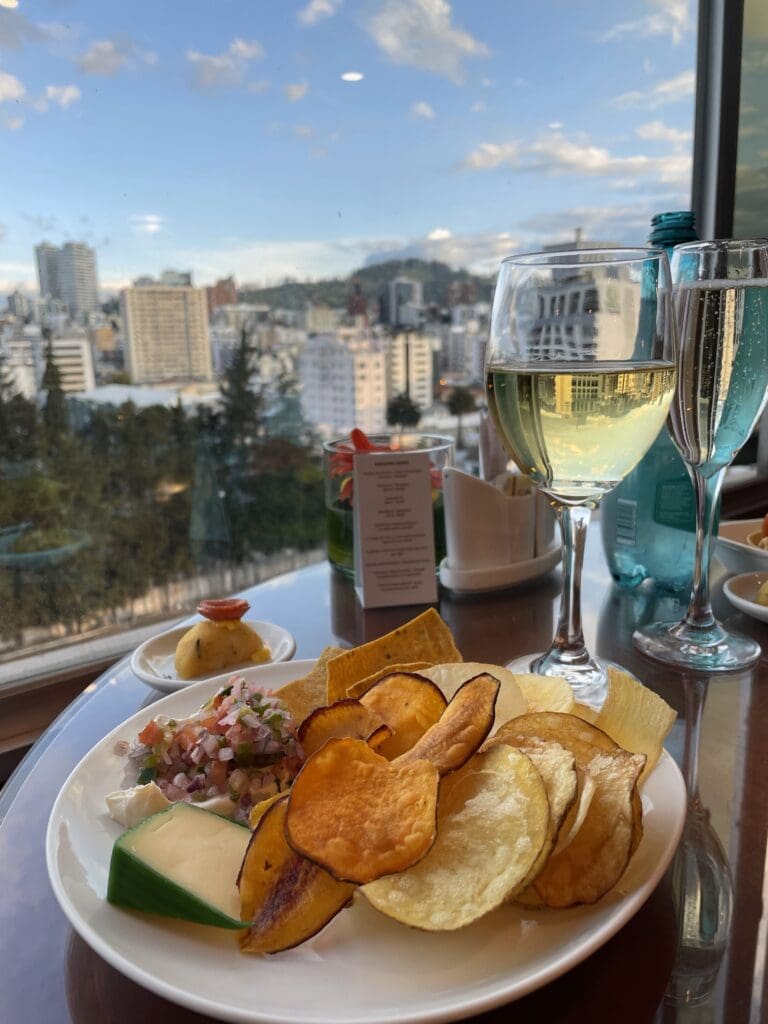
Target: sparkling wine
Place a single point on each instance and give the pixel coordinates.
(577, 429)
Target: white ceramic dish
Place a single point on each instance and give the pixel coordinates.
(742, 590)
(498, 577)
(363, 968)
(733, 550)
(153, 661)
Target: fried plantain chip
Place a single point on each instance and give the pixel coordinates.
(302, 696)
(546, 693)
(258, 810)
(409, 704)
(510, 701)
(462, 727)
(585, 713)
(359, 816)
(635, 717)
(425, 638)
(364, 685)
(492, 822)
(346, 717)
(286, 898)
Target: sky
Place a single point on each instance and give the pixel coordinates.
(304, 138)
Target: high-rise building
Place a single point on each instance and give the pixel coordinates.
(411, 368)
(343, 379)
(223, 293)
(402, 305)
(68, 274)
(166, 331)
(176, 278)
(19, 305)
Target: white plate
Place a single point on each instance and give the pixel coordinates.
(733, 549)
(153, 662)
(363, 968)
(496, 577)
(742, 590)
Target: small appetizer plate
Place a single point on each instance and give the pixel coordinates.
(735, 546)
(742, 590)
(153, 661)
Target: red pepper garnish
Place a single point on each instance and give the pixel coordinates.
(223, 609)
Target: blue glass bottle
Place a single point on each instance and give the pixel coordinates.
(648, 522)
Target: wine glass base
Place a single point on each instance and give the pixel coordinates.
(589, 682)
(715, 650)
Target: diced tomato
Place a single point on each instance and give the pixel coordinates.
(151, 734)
(217, 776)
(224, 609)
(210, 723)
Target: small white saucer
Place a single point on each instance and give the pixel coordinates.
(153, 661)
(742, 590)
(497, 577)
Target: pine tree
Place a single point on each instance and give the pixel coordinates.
(242, 408)
(55, 413)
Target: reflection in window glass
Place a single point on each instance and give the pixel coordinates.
(216, 225)
(750, 215)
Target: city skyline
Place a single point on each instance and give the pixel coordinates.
(308, 138)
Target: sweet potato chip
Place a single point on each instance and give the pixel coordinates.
(510, 701)
(635, 717)
(462, 727)
(302, 696)
(492, 822)
(344, 718)
(286, 898)
(364, 685)
(409, 704)
(578, 812)
(260, 809)
(359, 816)
(425, 638)
(546, 693)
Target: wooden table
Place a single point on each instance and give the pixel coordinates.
(48, 975)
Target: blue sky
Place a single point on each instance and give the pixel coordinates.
(220, 135)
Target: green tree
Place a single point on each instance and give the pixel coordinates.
(403, 412)
(55, 414)
(242, 407)
(460, 402)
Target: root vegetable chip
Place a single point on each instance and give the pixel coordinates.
(546, 693)
(302, 696)
(510, 701)
(462, 727)
(364, 685)
(425, 638)
(286, 898)
(492, 822)
(585, 713)
(359, 816)
(344, 718)
(409, 704)
(635, 717)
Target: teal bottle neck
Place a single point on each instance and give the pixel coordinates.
(671, 229)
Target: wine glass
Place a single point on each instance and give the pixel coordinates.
(580, 376)
(721, 304)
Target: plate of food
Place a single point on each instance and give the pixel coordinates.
(742, 545)
(749, 593)
(221, 640)
(435, 837)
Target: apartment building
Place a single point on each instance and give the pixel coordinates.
(166, 333)
(343, 378)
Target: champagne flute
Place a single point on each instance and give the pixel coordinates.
(580, 377)
(721, 302)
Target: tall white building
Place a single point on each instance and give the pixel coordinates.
(47, 264)
(25, 355)
(166, 333)
(343, 378)
(69, 274)
(411, 368)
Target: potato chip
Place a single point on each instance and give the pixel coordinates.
(492, 822)
(425, 638)
(462, 727)
(578, 812)
(359, 816)
(346, 717)
(585, 713)
(510, 701)
(302, 696)
(635, 717)
(286, 898)
(546, 693)
(364, 685)
(409, 704)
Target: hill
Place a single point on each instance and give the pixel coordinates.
(436, 277)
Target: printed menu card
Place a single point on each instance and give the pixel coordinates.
(394, 530)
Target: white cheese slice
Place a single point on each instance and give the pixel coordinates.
(130, 806)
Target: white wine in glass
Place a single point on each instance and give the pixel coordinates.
(580, 377)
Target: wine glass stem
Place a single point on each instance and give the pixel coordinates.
(569, 639)
(699, 614)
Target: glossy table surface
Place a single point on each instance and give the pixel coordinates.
(695, 952)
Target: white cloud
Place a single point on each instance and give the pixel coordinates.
(11, 88)
(295, 91)
(62, 95)
(479, 107)
(224, 69)
(10, 122)
(671, 18)
(352, 76)
(317, 10)
(439, 235)
(304, 131)
(422, 110)
(108, 56)
(147, 223)
(492, 154)
(420, 33)
(657, 131)
(670, 91)
(260, 86)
